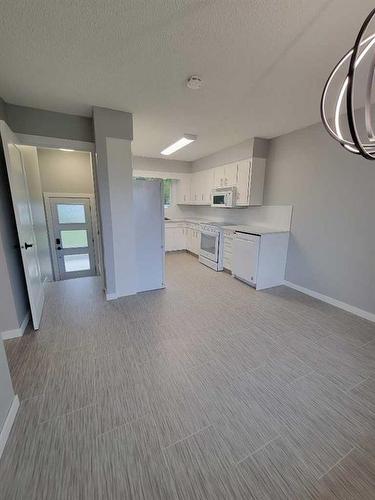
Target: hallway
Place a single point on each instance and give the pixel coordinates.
(225, 394)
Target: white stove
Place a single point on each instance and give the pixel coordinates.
(212, 244)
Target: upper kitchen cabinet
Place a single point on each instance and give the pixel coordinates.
(225, 175)
(250, 182)
(183, 189)
(201, 185)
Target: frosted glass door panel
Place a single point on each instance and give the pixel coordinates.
(77, 262)
(74, 238)
(71, 214)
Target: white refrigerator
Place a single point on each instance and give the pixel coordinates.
(149, 234)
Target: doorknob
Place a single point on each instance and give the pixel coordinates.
(28, 245)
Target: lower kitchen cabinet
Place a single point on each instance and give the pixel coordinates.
(228, 250)
(182, 236)
(175, 238)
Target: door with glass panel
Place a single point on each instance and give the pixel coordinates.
(72, 237)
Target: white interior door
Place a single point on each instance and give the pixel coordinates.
(24, 221)
(72, 239)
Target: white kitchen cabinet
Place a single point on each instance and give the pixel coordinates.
(183, 189)
(189, 242)
(243, 182)
(194, 188)
(207, 185)
(228, 250)
(225, 175)
(175, 237)
(250, 182)
(247, 176)
(230, 175)
(219, 176)
(196, 241)
(169, 238)
(256, 183)
(201, 185)
(193, 238)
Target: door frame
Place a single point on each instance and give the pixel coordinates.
(48, 209)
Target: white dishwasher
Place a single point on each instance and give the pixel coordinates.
(245, 257)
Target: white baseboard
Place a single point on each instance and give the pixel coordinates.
(17, 332)
(111, 296)
(334, 302)
(7, 427)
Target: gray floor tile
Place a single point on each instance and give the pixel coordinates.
(276, 472)
(226, 394)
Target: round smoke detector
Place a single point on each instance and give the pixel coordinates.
(194, 82)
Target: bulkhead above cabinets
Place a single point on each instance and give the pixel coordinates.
(247, 176)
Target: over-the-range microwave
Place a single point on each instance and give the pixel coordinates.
(223, 197)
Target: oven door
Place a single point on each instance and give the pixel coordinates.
(210, 246)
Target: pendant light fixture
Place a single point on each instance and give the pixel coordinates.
(346, 101)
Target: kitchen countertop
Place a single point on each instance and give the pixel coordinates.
(250, 229)
(194, 220)
(259, 230)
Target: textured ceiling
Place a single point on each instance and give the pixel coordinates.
(264, 63)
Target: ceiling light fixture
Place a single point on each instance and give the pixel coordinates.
(67, 150)
(358, 139)
(181, 143)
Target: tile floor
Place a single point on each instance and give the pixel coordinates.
(205, 390)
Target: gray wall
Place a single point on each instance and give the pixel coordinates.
(65, 172)
(24, 120)
(332, 245)
(255, 147)
(234, 153)
(30, 159)
(6, 389)
(116, 125)
(161, 165)
(3, 115)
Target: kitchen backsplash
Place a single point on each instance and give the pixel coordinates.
(266, 215)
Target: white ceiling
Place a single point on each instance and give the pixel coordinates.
(264, 63)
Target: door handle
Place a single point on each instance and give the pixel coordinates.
(58, 248)
(28, 245)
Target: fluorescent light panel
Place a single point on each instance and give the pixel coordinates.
(181, 143)
(67, 150)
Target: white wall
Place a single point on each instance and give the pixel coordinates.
(30, 159)
(65, 172)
